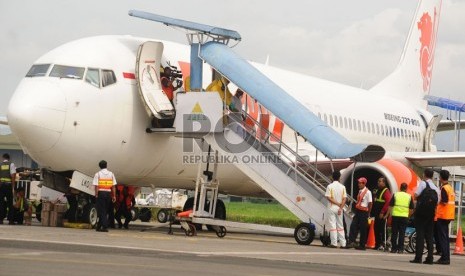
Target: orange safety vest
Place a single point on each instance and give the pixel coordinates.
(447, 211)
(105, 184)
(360, 197)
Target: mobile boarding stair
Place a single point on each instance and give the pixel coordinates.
(283, 178)
(277, 169)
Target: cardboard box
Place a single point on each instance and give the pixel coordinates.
(56, 219)
(45, 218)
(60, 207)
(47, 206)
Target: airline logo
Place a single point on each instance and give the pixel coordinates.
(197, 114)
(428, 29)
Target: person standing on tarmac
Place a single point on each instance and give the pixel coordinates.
(362, 211)
(336, 195)
(424, 222)
(7, 184)
(445, 213)
(400, 209)
(379, 211)
(125, 201)
(104, 183)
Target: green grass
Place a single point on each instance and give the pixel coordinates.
(261, 213)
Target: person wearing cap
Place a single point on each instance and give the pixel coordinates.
(362, 211)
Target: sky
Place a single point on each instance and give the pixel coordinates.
(356, 42)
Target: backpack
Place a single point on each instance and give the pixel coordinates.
(426, 202)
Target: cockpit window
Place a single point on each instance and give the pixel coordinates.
(108, 77)
(93, 77)
(70, 72)
(38, 70)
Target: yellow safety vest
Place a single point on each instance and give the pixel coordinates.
(447, 211)
(5, 175)
(401, 204)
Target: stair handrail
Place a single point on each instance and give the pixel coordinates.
(298, 159)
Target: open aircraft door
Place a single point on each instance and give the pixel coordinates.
(148, 80)
(430, 132)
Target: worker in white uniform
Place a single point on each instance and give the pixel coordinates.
(336, 195)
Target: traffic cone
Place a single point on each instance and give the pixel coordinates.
(371, 235)
(459, 243)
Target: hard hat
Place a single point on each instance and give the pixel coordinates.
(362, 180)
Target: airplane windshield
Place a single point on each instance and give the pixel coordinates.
(70, 72)
(38, 70)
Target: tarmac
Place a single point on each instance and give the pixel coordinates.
(154, 238)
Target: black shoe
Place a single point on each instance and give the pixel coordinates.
(11, 223)
(415, 261)
(120, 226)
(104, 230)
(400, 251)
(393, 251)
(443, 262)
(428, 261)
(126, 226)
(350, 245)
(332, 246)
(360, 248)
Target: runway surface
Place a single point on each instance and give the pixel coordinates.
(147, 249)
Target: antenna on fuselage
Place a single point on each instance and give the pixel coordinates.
(197, 35)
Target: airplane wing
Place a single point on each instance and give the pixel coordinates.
(436, 159)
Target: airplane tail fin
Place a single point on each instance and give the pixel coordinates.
(411, 80)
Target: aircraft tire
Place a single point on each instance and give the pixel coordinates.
(303, 234)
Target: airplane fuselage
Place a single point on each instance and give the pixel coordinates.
(69, 123)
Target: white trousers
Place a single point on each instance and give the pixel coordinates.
(336, 227)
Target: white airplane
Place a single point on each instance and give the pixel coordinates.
(80, 103)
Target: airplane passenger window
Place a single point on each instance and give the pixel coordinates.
(326, 119)
(346, 125)
(336, 123)
(359, 125)
(377, 129)
(368, 127)
(108, 77)
(319, 115)
(350, 124)
(341, 122)
(38, 70)
(69, 72)
(331, 120)
(93, 77)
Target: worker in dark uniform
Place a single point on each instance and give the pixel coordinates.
(7, 184)
(20, 206)
(380, 208)
(125, 201)
(104, 183)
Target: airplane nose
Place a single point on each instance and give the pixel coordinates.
(36, 114)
